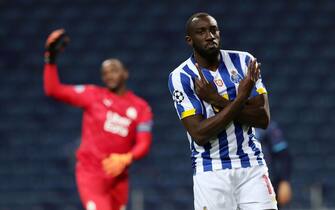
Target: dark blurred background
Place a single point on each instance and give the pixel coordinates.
(294, 40)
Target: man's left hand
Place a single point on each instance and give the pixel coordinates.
(115, 164)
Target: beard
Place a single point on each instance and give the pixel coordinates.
(209, 53)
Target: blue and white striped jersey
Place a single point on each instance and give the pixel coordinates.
(235, 146)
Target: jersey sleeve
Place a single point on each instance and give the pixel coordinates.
(76, 95)
(145, 120)
(259, 86)
(186, 103)
(143, 137)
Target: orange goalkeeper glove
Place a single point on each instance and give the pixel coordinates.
(115, 164)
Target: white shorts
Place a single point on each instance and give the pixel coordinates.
(232, 189)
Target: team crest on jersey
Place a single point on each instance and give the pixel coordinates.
(235, 77)
(178, 96)
(131, 113)
(218, 82)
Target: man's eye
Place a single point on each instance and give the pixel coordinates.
(214, 30)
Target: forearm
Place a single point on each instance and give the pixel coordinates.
(55, 44)
(255, 116)
(210, 127)
(255, 112)
(50, 79)
(219, 102)
(142, 145)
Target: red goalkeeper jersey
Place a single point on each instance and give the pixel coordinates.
(111, 123)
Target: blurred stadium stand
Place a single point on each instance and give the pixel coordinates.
(294, 40)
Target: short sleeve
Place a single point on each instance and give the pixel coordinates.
(186, 102)
(259, 86)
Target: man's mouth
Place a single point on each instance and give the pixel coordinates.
(109, 81)
(211, 45)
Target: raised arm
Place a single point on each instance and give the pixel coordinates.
(74, 95)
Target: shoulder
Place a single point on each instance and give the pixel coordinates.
(88, 88)
(245, 54)
(174, 74)
(95, 87)
(187, 67)
(182, 75)
(141, 106)
(137, 100)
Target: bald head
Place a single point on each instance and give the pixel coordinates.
(114, 74)
(112, 62)
(194, 18)
(203, 35)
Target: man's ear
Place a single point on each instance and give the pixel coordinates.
(126, 74)
(189, 40)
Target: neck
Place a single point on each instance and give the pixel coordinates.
(211, 63)
(119, 91)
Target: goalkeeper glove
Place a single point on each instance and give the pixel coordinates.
(115, 164)
(55, 43)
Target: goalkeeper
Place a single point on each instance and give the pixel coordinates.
(116, 128)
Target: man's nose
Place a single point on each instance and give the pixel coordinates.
(210, 35)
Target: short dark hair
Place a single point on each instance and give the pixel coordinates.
(190, 19)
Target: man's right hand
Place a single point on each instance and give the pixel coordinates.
(246, 85)
(204, 89)
(55, 43)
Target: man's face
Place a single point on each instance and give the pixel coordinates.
(113, 74)
(204, 36)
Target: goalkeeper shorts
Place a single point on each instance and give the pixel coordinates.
(100, 192)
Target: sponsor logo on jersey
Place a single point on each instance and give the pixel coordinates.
(117, 124)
